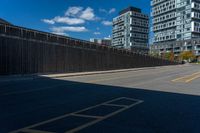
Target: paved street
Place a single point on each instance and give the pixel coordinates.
(154, 100)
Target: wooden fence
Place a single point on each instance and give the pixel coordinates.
(26, 51)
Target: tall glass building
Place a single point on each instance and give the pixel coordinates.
(130, 30)
(175, 20)
(176, 26)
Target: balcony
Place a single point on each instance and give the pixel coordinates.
(154, 2)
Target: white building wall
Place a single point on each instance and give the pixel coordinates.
(129, 26)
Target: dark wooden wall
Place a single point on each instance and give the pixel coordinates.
(25, 51)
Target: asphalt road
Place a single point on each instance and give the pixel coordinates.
(156, 100)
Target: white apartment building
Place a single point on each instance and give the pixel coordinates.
(176, 26)
(131, 30)
(175, 20)
(105, 41)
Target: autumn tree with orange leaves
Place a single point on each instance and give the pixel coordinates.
(187, 55)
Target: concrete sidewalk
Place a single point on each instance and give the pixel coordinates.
(59, 75)
(100, 72)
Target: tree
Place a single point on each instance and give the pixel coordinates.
(169, 56)
(187, 55)
(155, 54)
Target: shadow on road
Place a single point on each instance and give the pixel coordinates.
(27, 102)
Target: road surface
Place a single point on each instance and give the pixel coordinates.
(154, 100)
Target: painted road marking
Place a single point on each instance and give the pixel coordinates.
(187, 78)
(35, 131)
(193, 78)
(109, 104)
(107, 116)
(95, 119)
(87, 116)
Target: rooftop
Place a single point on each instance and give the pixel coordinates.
(130, 8)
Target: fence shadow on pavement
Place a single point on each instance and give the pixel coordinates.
(28, 102)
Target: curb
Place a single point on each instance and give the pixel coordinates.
(99, 72)
(38, 76)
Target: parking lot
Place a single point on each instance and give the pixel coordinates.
(152, 100)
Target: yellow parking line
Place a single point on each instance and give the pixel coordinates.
(187, 78)
(193, 78)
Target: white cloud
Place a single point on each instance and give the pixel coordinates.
(88, 14)
(73, 11)
(97, 33)
(74, 16)
(63, 29)
(80, 12)
(107, 23)
(48, 21)
(61, 33)
(69, 21)
(65, 20)
(109, 37)
(112, 10)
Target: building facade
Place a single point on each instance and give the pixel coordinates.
(105, 41)
(131, 29)
(177, 47)
(175, 20)
(176, 26)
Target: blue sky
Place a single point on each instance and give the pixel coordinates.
(82, 19)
